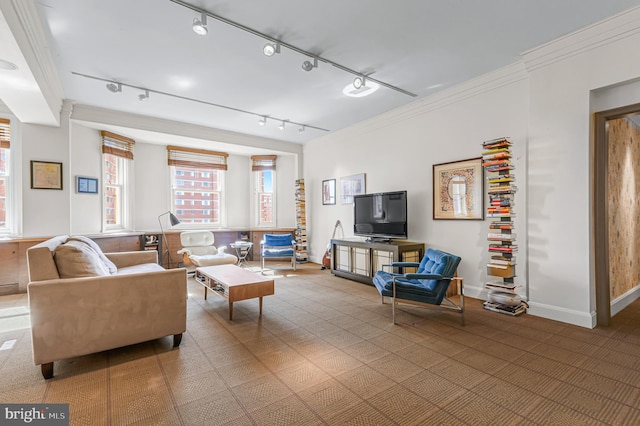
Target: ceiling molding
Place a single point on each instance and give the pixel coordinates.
(610, 30)
(488, 82)
(23, 20)
(160, 126)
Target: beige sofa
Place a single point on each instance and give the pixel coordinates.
(82, 301)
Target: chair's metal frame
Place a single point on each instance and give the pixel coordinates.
(446, 302)
(262, 257)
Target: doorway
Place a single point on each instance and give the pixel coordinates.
(616, 212)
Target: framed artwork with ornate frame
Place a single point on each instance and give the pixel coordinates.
(458, 190)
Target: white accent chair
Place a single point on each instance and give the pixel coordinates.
(198, 249)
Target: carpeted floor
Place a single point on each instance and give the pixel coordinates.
(325, 353)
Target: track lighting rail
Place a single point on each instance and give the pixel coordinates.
(289, 46)
(119, 85)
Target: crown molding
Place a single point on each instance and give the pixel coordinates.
(610, 30)
(486, 83)
(26, 27)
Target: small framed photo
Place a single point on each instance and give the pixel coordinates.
(87, 185)
(328, 191)
(46, 175)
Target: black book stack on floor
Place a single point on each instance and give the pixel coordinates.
(502, 294)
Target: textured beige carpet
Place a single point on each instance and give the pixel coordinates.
(325, 352)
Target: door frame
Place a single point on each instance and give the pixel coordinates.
(601, 210)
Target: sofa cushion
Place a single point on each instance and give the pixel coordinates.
(78, 259)
(140, 268)
(108, 263)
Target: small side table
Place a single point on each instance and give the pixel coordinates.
(243, 248)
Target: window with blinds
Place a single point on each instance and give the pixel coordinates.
(264, 169)
(197, 185)
(117, 153)
(5, 177)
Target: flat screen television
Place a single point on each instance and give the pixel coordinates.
(380, 216)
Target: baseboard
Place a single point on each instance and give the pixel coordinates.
(569, 316)
(541, 310)
(9, 289)
(625, 300)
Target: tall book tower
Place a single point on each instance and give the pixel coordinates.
(301, 223)
(502, 296)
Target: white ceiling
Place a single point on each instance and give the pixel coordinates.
(421, 46)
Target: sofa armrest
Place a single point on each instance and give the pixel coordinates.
(130, 258)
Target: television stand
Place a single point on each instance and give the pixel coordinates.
(358, 260)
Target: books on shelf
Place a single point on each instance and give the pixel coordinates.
(501, 188)
(505, 309)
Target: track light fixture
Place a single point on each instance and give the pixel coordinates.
(358, 82)
(114, 87)
(308, 66)
(271, 49)
(200, 25)
(302, 129)
(281, 126)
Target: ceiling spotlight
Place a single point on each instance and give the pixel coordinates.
(262, 121)
(144, 96)
(200, 25)
(308, 66)
(281, 126)
(115, 88)
(360, 87)
(271, 49)
(6, 65)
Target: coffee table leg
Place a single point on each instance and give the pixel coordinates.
(261, 305)
(205, 293)
(230, 310)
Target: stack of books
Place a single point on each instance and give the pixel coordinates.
(496, 160)
(301, 223)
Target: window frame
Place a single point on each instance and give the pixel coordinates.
(12, 195)
(124, 170)
(257, 182)
(206, 191)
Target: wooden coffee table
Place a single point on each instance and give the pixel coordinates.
(234, 284)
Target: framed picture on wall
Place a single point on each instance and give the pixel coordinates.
(328, 191)
(350, 186)
(458, 190)
(46, 175)
(87, 185)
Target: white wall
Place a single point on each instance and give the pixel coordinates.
(560, 161)
(397, 150)
(85, 159)
(46, 211)
(547, 115)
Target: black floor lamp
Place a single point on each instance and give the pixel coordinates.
(174, 221)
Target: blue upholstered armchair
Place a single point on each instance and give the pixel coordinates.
(427, 286)
(278, 246)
